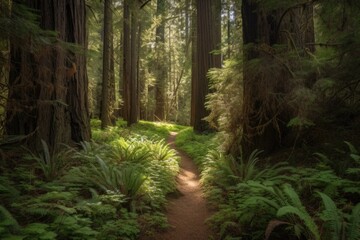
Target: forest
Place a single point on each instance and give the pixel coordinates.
(180, 119)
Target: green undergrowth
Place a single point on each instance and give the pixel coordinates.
(143, 129)
(257, 199)
(113, 187)
(195, 145)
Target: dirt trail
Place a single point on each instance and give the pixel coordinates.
(187, 212)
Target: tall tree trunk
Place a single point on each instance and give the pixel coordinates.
(208, 40)
(48, 88)
(112, 87)
(127, 60)
(265, 110)
(134, 105)
(161, 69)
(120, 112)
(105, 93)
(130, 82)
(194, 63)
(228, 29)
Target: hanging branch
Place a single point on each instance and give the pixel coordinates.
(144, 4)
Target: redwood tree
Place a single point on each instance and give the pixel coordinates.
(107, 47)
(269, 70)
(130, 80)
(208, 40)
(161, 69)
(48, 86)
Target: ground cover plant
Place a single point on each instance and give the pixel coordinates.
(103, 189)
(257, 200)
(195, 145)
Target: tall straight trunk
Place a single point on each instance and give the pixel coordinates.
(105, 93)
(265, 109)
(208, 40)
(48, 87)
(161, 70)
(130, 61)
(134, 106)
(120, 112)
(126, 60)
(112, 85)
(187, 19)
(194, 69)
(142, 92)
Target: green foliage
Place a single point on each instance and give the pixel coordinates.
(52, 165)
(108, 177)
(226, 100)
(250, 195)
(224, 171)
(133, 151)
(338, 27)
(101, 191)
(155, 130)
(331, 217)
(346, 163)
(300, 122)
(23, 25)
(74, 227)
(354, 223)
(126, 227)
(339, 223)
(39, 231)
(8, 223)
(195, 145)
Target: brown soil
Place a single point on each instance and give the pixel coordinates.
(188, 211)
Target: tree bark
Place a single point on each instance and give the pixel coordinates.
(127, 60)
(130, 60)
(106, 83)
(208, 40)
(194, 68)
(48, 87)
(265, 109)
(161, 70)
(134, 99)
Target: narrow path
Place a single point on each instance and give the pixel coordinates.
(188, 211)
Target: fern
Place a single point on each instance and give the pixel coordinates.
(353, 231)
(293, 197)
(126, 180)
(127, 151)
(52, 165)
(303, 216)
(7, 219)
(39, 231)
(331, 217)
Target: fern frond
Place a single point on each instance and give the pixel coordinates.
(293, 196)
(352, 148)
(331, 216)
(353, 231)
(272, 225)
(7, 219)
(270, 202)
(303, 216)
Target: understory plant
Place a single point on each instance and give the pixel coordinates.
(100, 191)
(256, 200)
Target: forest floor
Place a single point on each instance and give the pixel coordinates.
(187, 211)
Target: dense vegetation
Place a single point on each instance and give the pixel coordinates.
(270, 89)
(112, 188)
(255, 197)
